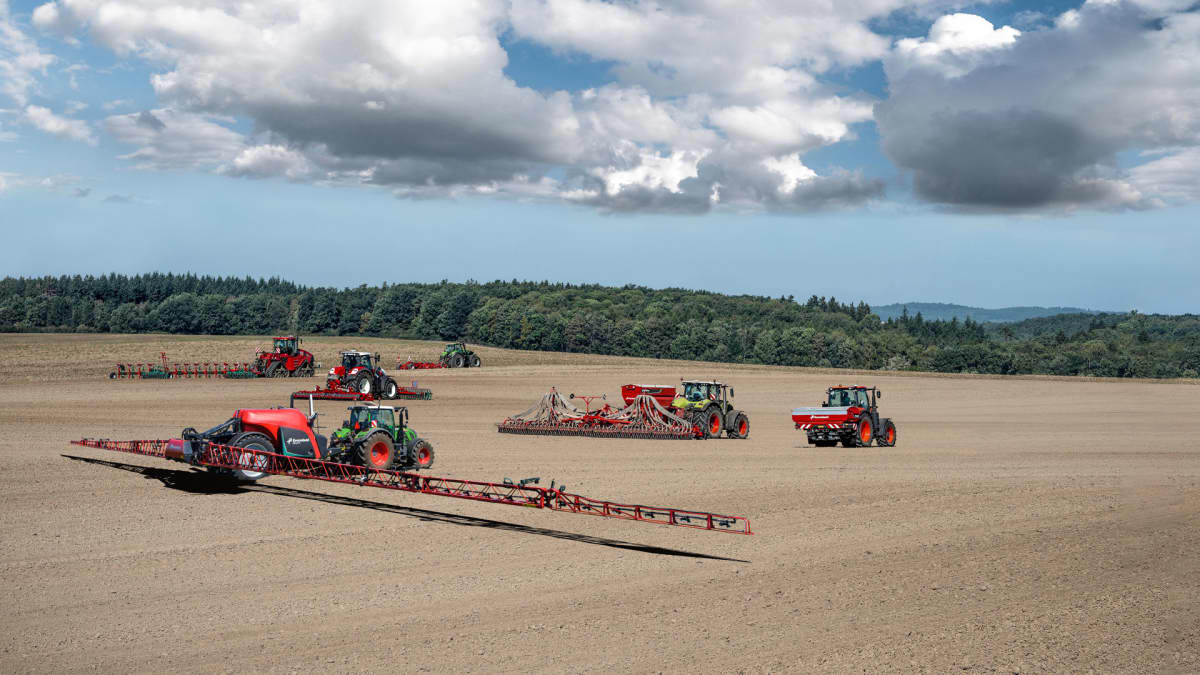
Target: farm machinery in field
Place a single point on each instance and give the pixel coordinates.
(455, 355)
(285, 359)
(702, 410)
(174, 371)
(360, 374)
(850, 416)
(375, 447)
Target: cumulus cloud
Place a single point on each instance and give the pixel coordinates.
(989, 118)
(414, 97)
(46, 120)
(20, 59)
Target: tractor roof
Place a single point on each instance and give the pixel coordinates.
(849, 386)
(357, 352)
(720, 384)
(376, 407)
(288, 337)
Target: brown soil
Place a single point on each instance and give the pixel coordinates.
(1020, 524)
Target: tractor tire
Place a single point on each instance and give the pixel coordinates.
(741, 426)
(457, 361)
(422, 454)
(887, 437)
(389, 389)
(475, 362)
(864, 432)
(363, 384)
(377, 451)
(248, 462)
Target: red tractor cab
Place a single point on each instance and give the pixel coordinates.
(285, 359)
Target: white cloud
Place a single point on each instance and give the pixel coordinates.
(20, 59)
(415, 97)
(1174, 177)
(46, 120)
(991, 120)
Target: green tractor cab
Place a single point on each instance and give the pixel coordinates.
(708, 405)
(379, 437)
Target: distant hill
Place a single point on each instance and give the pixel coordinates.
(933, 311)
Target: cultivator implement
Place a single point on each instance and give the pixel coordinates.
(643, 417)
(224, 457)
(335, 392)
(419, 365)
(176, 371)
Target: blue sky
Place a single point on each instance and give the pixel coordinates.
(986, 154)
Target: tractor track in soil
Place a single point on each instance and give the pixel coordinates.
(1032, 524)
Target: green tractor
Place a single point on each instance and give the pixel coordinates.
(456, 355)
(708, 406)
(379, 437)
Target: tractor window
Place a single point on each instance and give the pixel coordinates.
(839, 398)
(385, 418)
(695, 391)
(360, 418)
(285, 346)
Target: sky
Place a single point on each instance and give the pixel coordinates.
(988, 154)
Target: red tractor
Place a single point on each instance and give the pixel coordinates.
(286, 359)
(849, 415)
(361, 374)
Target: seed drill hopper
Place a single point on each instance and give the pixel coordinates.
(642, 417)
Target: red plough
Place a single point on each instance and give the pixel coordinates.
(555, 499)
(643, 417)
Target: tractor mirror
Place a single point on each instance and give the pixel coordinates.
(571, 396)
(731, 392)
(879, 394)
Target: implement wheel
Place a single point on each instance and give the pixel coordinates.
(247, 463)
(377, 451)
(422, 454)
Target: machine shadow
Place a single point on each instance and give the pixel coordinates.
(195, 482)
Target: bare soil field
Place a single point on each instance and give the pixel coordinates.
(1024, 524)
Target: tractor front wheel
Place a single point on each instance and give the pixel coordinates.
(389, 388)
(887, 438)
(475, 362)
(377, 451)
(741, 426)
(250, 465)
(422, 454)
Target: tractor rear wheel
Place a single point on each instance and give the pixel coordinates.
(475, 362)
(422, 454)
(249, 462)
(363, 384)
(377, 451)
(457, 361)
(887, 438)
(741, 426)
(390, 389)
(864, 432)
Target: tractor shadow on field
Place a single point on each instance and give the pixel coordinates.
(195, 482)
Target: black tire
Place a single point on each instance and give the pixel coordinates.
(475, 362)
(422, 454)
(389, 390)
(457, 361)
(864, 432)
(741, 426)
(377, 451)
(252, 441)
(887, 436)
(363, 384)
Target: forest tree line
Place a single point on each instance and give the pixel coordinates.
(627, 321)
